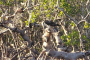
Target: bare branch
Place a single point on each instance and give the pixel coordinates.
(3, 30)
(65, 31)
(87, 15)
(82, 21)
(24, 36)
(88, 2)
(65, 55)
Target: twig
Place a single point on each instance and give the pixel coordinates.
(24, 36)
(87, 15)
(81, 21)
(18, 53)
(87, 7)
(31, 7)
(3, 30)
(24, 49)
(65, 31)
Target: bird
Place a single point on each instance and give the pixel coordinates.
(51, 23)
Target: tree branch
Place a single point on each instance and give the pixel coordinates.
(70, 56)
(87, 6)
(24, 36)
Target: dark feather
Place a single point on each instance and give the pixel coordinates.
(51, 23)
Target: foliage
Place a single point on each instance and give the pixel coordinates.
(72, 38)
(87, 25)
(47, 10)
(9, 2)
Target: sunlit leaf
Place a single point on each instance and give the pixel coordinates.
(26, 23)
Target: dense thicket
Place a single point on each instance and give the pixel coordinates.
(23, 26)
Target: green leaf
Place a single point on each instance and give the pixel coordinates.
(1, 2)
(33, 17)
(61, 13)
(73, 24)
(63, 37)
(32, 20)
(87, 25)
(48, 15)
(26, 23)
